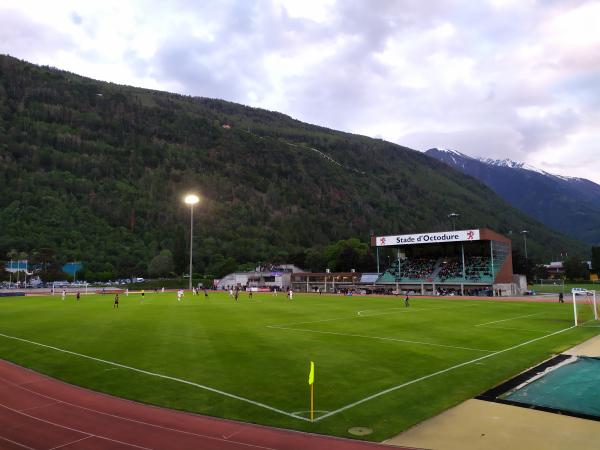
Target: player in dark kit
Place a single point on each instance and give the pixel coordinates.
(406, 301)
(116, 305)
(78, 296)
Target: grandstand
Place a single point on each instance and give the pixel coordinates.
(465, 262)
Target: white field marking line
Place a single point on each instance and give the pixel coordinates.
(510, 318)
(72, 442)
(439, 372)
(16, 443)
(409, 309)
(166, 377)
(73, 429)
(129, 419)
(404, 309)
(517, 329)
(381, 338)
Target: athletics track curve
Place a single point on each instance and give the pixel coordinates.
(42, 413)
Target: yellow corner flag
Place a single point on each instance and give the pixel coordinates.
(311, 381)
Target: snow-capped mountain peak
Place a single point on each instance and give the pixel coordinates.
(546, 196)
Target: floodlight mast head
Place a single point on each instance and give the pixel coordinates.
(191, 199)
(453, 216)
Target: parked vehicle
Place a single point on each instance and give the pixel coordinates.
(579, 291)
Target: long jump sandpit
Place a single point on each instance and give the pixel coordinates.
(485, 425)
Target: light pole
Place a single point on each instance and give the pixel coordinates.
(191, 200)
(524, 233)
(453, 216)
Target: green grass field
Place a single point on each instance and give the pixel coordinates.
(378, 364)
(556, 288)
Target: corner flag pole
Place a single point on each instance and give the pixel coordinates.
(311, 381)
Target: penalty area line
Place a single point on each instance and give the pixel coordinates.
(159, 375)
(431, 375)
(407, 341)
(510, 318)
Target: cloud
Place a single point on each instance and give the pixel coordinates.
(22, 35)
(494, 78)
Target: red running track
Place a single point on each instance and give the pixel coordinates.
(41, 413)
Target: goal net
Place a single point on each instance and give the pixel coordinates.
(585, 307)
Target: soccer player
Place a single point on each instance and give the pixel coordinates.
(561, 298)
(127, 292)
(291, 294)
(205, 294)
(143, 294)
(406, 304)
(179, 295)
(236, 294)
(230, 292)
(250, 294)
(63, 294)
(116, 304)
(78, 296)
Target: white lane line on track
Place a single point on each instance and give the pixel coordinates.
(158, 375)
(380, 338)
(510, 318)
(160, 427)
(72, 429)
(17, 443)
(431, 375)
(72, 442)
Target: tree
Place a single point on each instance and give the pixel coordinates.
(575, 269)
(596, 260)
(162, 264)
(521, 265)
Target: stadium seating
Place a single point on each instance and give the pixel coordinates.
(441, 270)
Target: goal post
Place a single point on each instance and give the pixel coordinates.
(585, 307)
(550, 281)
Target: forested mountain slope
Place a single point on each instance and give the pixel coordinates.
(95, 171)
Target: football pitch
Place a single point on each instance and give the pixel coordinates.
(378, 364)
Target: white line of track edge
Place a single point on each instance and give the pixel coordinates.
(431, 375)
(158, 375)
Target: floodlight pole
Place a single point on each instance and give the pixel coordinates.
(453, 216)
(191, 241)
(524, 233)
(191, 200)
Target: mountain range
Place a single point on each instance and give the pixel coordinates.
(567, 204)
(95, 172)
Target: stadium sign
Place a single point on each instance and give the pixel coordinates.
(428, 238)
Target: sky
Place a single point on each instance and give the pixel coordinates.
(516, 79)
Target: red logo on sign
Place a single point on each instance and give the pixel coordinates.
(470, 235)
(382, 241)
